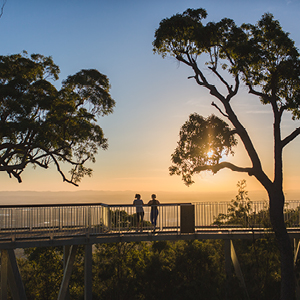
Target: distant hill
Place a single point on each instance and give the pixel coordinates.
(123, 197)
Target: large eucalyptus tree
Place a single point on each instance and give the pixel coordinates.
(265, 59)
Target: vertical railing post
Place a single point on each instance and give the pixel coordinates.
(187, 218)
(178, 228)
(88, 220)
(59, 219)
(11, 228)
(109, 216)
(119, 220)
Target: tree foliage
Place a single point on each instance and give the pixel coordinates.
(262, 56)
(158, 270)
(172, 270)
(42, 273)
(41, 124)
(202, 143)
(266, 61)
(239, 210)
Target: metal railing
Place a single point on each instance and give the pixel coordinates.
(19, 222)
(208, 214)
(123, 218)
(51, 221)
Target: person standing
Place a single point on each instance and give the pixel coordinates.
(138, 203)
(154, 210)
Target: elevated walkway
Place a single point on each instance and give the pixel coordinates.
(87, 224)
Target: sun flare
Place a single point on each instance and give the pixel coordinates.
(210, 153)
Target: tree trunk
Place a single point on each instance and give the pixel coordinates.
(284, 245)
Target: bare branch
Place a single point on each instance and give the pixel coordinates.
(254, 92)
(223, 165)
(219, 109)
(2, 8)
(61, 172)
(213, 90)
(290, 137)
(229, 87)
(17, 175)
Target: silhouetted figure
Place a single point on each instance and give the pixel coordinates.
(138, 202)
(154, 210)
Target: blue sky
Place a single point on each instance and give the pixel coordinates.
(153, 96)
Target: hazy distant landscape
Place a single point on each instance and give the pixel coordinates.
(122, 197)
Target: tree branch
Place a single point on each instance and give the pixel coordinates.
(290, 137)
(223, 165)
(17, 175)
(61, 172)
(2, 8)
(254, 92)
(229, 87)
(219, 109)
(213, 90)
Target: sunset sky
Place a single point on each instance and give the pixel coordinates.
(153, 95)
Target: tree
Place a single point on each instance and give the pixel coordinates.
(239, 210)
(42, 272)
(41, 125)
(118, 270)
(265, 59)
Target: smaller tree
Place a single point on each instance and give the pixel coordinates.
(41, 125)
(239, 209)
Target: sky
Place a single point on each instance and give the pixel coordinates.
(153, 95)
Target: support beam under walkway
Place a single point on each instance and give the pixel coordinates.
(11, 278)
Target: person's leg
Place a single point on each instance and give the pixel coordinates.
(155, 218)
(138, 221)
(142, 220)
(155, 213)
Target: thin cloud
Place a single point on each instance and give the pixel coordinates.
(257, 112)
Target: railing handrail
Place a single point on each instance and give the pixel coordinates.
(105, 204)
(145, 204)
(84, 204)
(126, 205)
(53, 205)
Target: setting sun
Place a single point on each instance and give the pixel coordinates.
(210, 153)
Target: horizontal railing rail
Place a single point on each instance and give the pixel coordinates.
(61, 220)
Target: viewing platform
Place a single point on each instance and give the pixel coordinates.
(59, 224)
(71, 225)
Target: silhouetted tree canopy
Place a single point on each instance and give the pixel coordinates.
(203, 142)
(41, 124)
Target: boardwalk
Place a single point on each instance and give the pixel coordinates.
(45, 224)
(88, 224)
